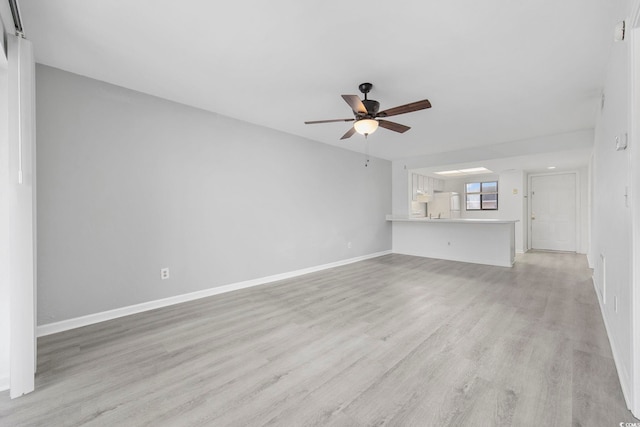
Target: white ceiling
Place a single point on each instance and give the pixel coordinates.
(494, 70)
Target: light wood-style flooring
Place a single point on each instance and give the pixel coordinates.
(396, 340)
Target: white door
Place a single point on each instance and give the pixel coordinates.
(553, 212)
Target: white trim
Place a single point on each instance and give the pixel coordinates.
(4, 383)
(634, 205)
(622, 373)
(22, 349)
(589, 213)
(635, 15)
(90, 319)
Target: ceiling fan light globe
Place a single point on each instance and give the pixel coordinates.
(366, 126)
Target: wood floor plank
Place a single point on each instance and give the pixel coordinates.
(394, 340)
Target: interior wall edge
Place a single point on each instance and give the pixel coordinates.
(623, 376)
(78, 322)
(634, 159)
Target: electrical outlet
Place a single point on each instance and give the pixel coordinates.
(626, 196)
(164, 273)
(348, 245)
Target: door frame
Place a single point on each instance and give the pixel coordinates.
(578, 216)
(22, 216)
(634, 192)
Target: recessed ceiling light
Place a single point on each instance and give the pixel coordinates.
(462, 172)
(456, 172)
(551, 167)
(475, 170)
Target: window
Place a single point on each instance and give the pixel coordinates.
(482, 196)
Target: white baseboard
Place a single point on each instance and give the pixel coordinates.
(90, 319)
(4, 383)
(622, 372)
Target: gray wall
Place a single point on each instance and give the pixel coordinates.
(129, 183)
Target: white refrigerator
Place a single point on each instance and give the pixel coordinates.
(444, 205)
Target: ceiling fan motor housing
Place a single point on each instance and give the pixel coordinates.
(371, 106)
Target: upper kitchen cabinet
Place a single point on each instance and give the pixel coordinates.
(423, 187)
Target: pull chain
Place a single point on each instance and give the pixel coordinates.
(366, 150)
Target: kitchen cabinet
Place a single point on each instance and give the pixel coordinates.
(424, 185)
(429, 188)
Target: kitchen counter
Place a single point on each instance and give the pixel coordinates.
(480, 241)
(456, 220)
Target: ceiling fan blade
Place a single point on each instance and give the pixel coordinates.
(349, 133)
(328, 121)
(407, 108)
(355, 103)
(396, 127)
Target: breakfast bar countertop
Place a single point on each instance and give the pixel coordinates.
(450, 220)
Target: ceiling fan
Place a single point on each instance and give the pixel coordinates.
(367, 117)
